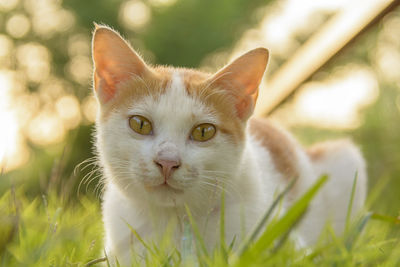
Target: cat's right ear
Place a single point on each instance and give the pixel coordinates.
(114, 62)
(241, 79)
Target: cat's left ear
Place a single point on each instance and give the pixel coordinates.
(241, 79)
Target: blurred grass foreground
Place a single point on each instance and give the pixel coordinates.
(47, 112)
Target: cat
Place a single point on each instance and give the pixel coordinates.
(169, 138)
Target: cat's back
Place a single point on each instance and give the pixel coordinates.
(340, 160)
(283, 150)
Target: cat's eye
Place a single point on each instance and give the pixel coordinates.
(203, 132)
(141, 125)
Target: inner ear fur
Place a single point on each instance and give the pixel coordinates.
(241, 79)
(114, 62)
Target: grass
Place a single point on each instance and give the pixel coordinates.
(46, 232)
(49, 231)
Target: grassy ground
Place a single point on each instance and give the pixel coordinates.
(50, 231)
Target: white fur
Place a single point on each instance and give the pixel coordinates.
(342, 163)
(245, 171)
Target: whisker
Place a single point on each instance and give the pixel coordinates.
(225, 183)
(99, 187)
(87, 179)
(90, 160)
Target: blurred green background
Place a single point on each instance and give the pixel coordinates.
(47, 109)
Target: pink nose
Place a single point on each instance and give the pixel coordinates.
(167, 167)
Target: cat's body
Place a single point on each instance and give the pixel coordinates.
(172, 137)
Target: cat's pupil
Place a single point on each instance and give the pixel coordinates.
(141, 124)
(203, 130)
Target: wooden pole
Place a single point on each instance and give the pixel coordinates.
(319, 49)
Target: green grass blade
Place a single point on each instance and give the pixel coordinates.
(265, 218)
(283, 225)
(107, 260)
(375, 192)
(386, 218)
(187, 241)
(138, 237)
(352, 238)
(222, 226)
(195, 229)
(95, 261)
(232, 243)
(350, 206)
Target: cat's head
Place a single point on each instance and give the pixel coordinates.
(171, 135)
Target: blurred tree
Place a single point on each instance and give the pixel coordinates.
(181, 34)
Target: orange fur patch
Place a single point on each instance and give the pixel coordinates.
(114, 62)
(152, 83)
(318, 151)
(278, 144)
(198, 85)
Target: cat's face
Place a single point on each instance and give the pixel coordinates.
(173, 114)
(170, 136)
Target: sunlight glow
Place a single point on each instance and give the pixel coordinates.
(38, 66)
(12, 150)
(18, 25)
(46, 128)
(7, 143)
(7, 5)
(79, 44)
(68, 109)
(387, 54)
(398, 102)
(80, 69)
(51, 89)
(6, 45)
(53, 21)
(26, 106)
(48, 17)
(26, 114)
(335, 102)
(134, 14)
(161, 3)
(284, 21)
(388, 61)
(89, 107)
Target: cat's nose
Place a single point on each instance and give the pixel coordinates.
(167, 167)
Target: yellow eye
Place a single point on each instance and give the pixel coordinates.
(141, 125)
(203, 132)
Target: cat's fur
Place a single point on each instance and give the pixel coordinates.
(250, 158)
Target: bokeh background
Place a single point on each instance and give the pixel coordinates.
(47, 108)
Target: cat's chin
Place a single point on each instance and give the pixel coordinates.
(165, 195)
(163, 189)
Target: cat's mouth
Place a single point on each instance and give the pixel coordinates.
(163, 187)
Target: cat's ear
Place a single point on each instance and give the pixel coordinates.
(114, 62)
(241, 79)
